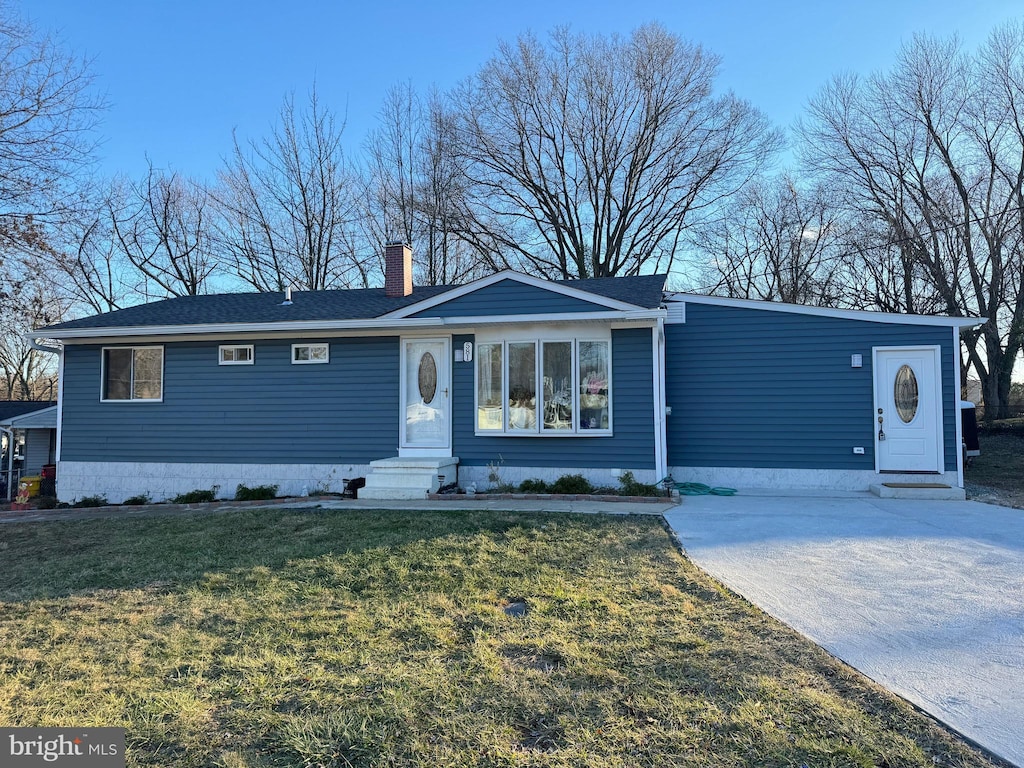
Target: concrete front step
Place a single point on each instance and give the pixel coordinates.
(921, 491)
(403, 477)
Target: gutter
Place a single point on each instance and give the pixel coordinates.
(298, 327)
(847, 314)
(31, 338)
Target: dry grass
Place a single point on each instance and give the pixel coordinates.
(998, 474)
(379, 639)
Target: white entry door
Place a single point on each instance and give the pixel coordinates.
(426, 397)
(908, 410)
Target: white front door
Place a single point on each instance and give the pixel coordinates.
(426, 397)
(908, 409)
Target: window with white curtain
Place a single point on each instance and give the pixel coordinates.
(546, 387)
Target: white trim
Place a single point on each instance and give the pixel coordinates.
(222, 361)
(372, 327)
(540, 337)
(311, 360)
(103, 375)
(508, 274)
(958, 421)
(848, 314)
(60, 404)
(940, 458)
(660, 426)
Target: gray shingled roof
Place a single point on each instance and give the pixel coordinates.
(355, 304)
(11, 408)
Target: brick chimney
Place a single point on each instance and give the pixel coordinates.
(397, 270)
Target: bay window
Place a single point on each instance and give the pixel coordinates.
(543, 387)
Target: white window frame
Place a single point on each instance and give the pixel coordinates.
(540, 339)
(223, 347)
(326, 346)
(131, 383)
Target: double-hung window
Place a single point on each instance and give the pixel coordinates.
(133, 373)
(544, 387)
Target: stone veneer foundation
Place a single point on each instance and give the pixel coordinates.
(121, 480)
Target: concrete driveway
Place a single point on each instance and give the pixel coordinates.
(924, 597)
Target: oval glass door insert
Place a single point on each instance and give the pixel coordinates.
(905, 394)
(428, 378)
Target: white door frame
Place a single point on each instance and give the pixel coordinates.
(445, 364)
(938, 415)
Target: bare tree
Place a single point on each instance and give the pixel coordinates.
(162, 226)
(91, 266)
(47, 113)
(286, 207)
(777, 243)
(874, 272)
(27, 373)
(415, 187)
(591, 156)
(934, 152)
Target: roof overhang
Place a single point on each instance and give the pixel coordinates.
(340, 327)
(848, 314)
(44, 418)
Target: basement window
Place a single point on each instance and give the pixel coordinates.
(236, 354)
(310, 354)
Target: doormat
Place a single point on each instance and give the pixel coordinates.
(915, 485)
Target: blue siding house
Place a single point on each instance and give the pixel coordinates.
(416, 387)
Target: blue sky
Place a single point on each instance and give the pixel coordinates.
(181, 76)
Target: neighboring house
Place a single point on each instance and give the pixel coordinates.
(33, 427)
(509, 374)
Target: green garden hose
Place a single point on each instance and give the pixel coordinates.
(698, 489)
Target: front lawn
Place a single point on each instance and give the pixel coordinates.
(347, 638)
(997, 475)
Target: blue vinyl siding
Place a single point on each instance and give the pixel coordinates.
(509, 297)
(630, 447)
(757, 388)
(345, 411)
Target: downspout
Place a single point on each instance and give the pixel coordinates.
(42, 347)
(660, 435)
(10, 459)
(958, 414)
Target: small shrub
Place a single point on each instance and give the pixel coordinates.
(572, 484)
(46, 502)
(91, 501)
(630, 486)
(533, 486)
(137, 501)
(257, 493)
(198, 496)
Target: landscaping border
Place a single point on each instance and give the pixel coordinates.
(550, 497)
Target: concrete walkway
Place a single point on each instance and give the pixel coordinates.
(925, 598)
